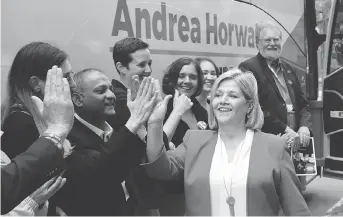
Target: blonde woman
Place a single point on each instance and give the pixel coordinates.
(234, 168)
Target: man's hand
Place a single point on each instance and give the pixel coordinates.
(160, 107)
(292, 138)
(46, 191)
(304, 134)
(57, 110)
(181, 103)
(142, 106)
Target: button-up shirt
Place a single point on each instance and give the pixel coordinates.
(104, 135)
(281, 84)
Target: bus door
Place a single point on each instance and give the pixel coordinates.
(333, 93)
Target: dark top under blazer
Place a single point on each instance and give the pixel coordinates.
(272, 103)
(20, 131)
(28, 171)
(271, 184)
(144, 190)
(199, 112)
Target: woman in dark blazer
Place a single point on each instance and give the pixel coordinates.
(234, 168)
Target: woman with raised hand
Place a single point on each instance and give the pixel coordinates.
(43, 159)
(21, 120)
(184, 80)
(234, 168)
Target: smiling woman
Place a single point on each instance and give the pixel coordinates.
(233, 169)
(184, 79)
(211, 72)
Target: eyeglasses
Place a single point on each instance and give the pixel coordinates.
(69, 76)
(269, 40)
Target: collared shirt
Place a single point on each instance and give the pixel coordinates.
(103, 134)
(282, 86)
(222, 173)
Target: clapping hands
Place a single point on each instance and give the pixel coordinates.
(160, 107)
(181, 103)
(142, 106)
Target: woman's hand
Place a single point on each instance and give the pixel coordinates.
(181, 103)
(46, 191)
(160, 107)
(142, 106)
(57, 108)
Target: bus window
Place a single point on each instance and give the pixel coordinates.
(337, 42)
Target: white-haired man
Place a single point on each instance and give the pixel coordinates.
(283, 102)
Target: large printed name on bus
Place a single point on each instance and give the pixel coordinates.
(188, 30)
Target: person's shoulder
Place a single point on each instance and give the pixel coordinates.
(17, 119)
(192, 136)
(272, 142)
(119, 90)
(251, 61)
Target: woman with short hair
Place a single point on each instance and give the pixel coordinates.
(234, 168)
(184, 80)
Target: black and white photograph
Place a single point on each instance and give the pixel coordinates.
(171, 107)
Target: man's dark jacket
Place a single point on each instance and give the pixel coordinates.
(29, 171)
(96, 170)
(271, 101)
(144, 190)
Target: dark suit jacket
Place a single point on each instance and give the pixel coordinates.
(96, 170)
(28, 171)
(144, 190)
(33, 161)
(271, 182)
(272, 103)
(122, 114)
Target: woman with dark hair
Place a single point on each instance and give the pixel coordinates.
(22, 123)
(211, 72)
(183, 79)
(20, 120)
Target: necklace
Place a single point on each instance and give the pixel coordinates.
(230, 200)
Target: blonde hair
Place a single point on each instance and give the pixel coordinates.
(261, 25)
(248, 84)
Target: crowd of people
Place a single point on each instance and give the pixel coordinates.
(199, 143)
